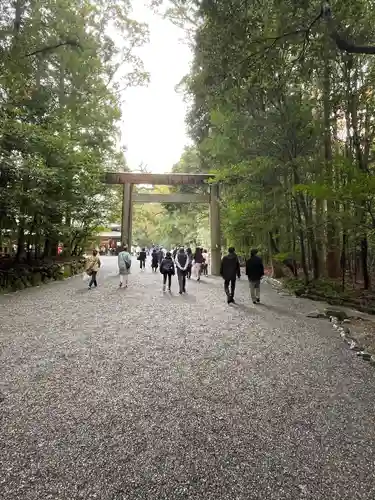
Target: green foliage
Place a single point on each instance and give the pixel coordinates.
(171, 224)
(61, 71)
(284, 119)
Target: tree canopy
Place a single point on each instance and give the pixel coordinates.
(282, 110)
(63, 68)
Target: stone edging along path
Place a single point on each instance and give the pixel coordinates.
(346, 334)
(340, 322)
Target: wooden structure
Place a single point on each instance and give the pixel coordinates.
(128, 179)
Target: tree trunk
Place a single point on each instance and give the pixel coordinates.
(303, 208)
(20, 242)
(19, 7)
(364, 255)
(319, 231)
(332, 259)
(302, 242)
(362, 163)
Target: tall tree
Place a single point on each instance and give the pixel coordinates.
(62, 69)
(282, 112)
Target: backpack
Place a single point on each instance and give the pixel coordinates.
(127, 262)
(168, 266)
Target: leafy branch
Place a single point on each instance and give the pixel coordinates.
(51, 48)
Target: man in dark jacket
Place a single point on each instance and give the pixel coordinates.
(254, 272)
(182, 263)
(142, 259)
(230, 271)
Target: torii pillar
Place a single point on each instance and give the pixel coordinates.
(127, 215)
(215, 230)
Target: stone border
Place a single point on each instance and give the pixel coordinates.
(339, 323)
(346, 334)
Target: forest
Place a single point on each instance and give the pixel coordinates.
(62, 75)
(282, 109)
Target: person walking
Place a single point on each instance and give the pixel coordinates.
(189, 253)
(167, 269)
(160, 255)
(230, 271)
(198, 261)
(205, 263)
(92, 268)
(142, 259)
(154, 260)
(124, 264)
(182, 263)
(254, 272)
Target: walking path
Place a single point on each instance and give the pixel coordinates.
(116, 394)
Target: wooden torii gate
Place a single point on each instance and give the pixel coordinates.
(129, 179)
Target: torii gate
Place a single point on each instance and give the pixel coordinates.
(128, 179)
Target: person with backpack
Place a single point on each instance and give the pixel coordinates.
(182, 263)
(124, 264)
(230, 270)
(254, 272)
(167, 270)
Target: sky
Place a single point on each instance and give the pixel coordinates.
(153, 125)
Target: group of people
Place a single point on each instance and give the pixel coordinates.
(230, 270)
(181, 261)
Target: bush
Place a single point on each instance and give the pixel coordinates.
(14, 276)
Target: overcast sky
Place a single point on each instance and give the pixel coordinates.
(154, 117)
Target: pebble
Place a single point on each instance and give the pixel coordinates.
(135, 394)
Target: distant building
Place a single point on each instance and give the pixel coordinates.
(110, 239)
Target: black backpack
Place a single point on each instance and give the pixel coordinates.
(168, 266)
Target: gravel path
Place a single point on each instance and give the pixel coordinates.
(131, 394)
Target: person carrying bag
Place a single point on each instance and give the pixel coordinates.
(124, 264)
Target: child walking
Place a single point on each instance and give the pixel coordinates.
(167, 270)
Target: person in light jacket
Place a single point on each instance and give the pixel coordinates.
(124, 264)
(92, 268)
(182, 263)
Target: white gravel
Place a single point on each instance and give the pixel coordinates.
(116, 394)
